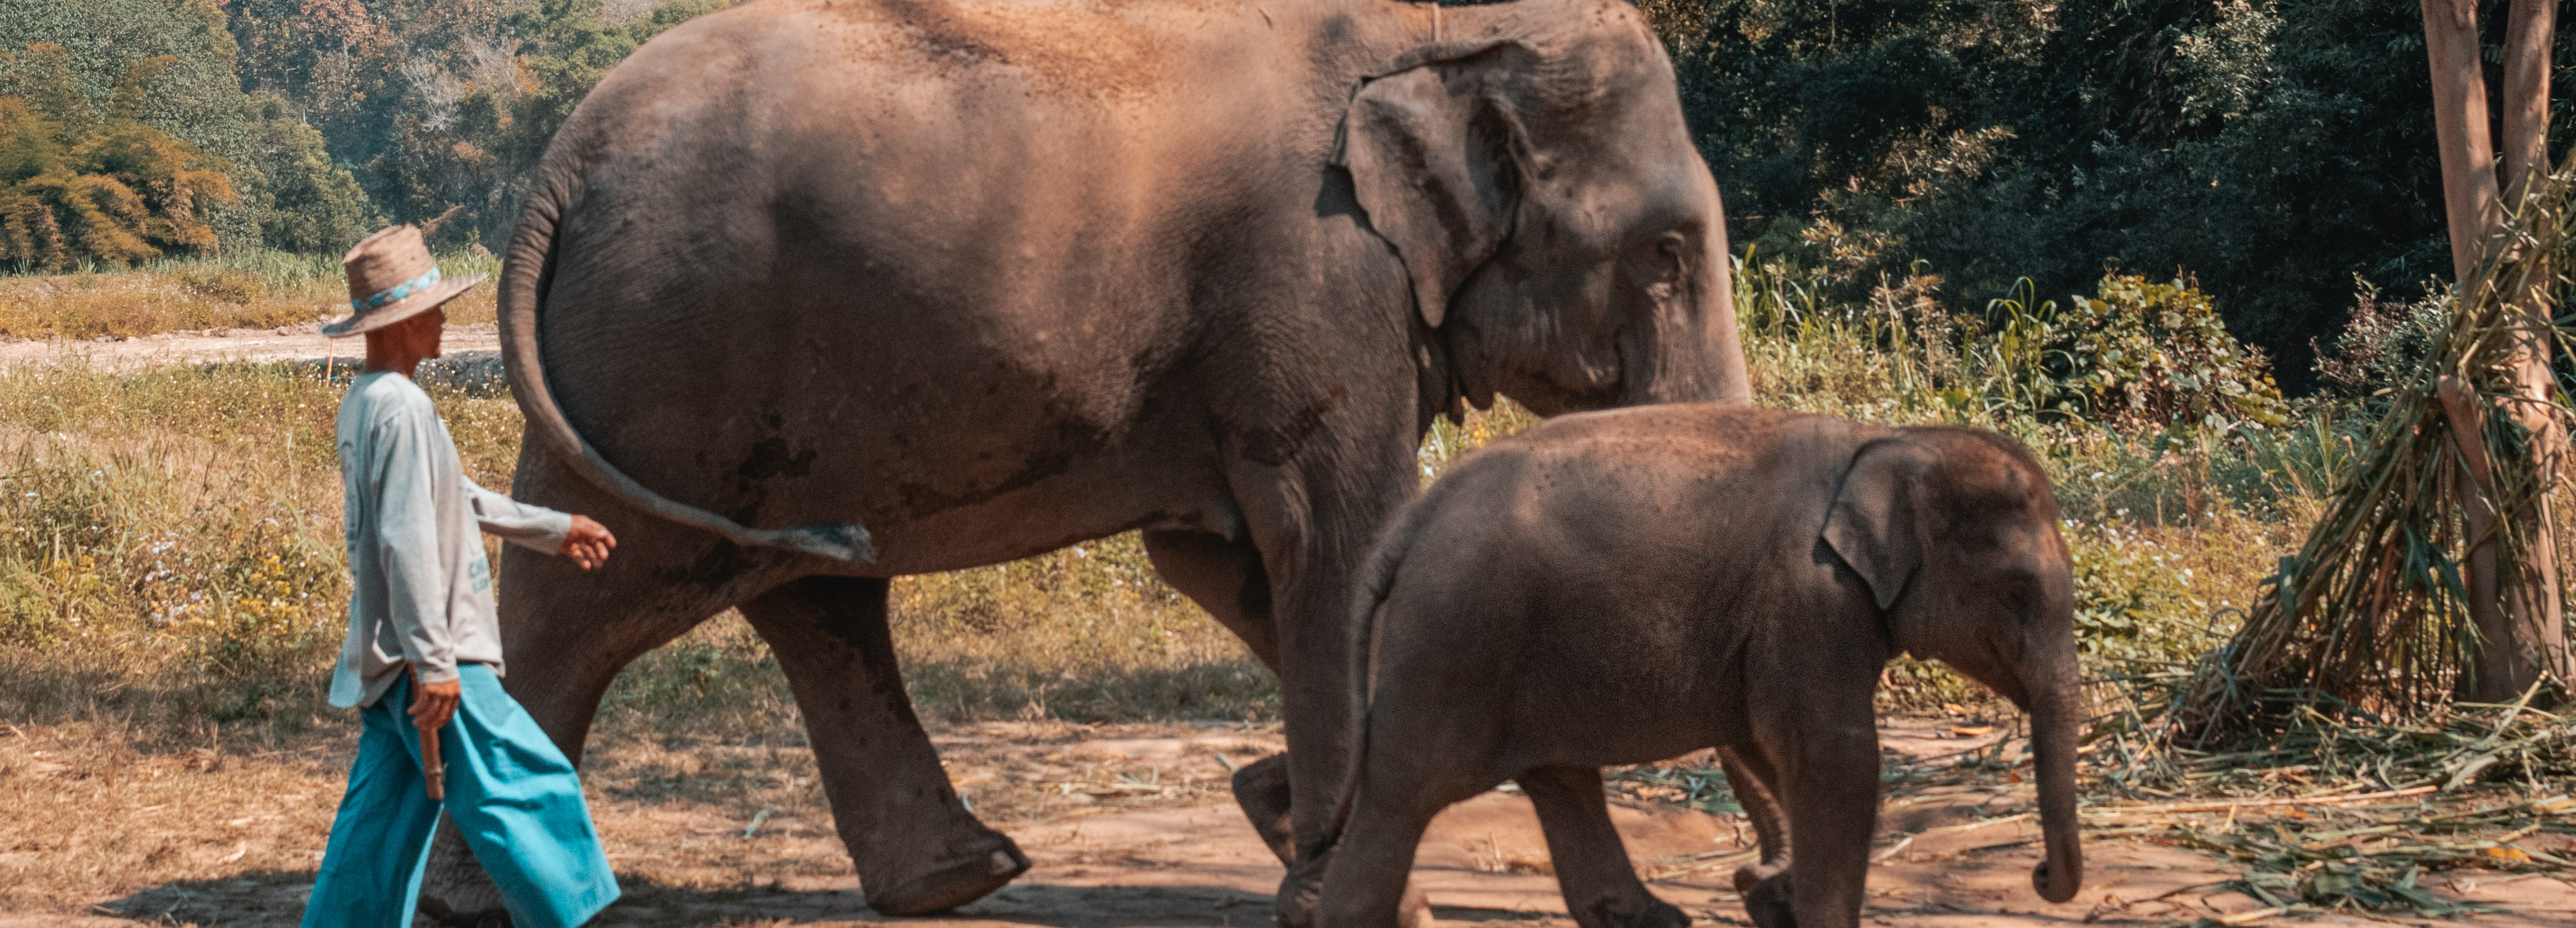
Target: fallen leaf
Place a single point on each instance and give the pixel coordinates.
(1972, 731)
(2508, 853)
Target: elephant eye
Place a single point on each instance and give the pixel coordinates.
(2018, 595)
(1672, 256)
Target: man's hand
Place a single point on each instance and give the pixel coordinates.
(588, 542)
(435, 703)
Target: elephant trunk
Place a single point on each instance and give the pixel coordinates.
(2056, 711)
(1699, 353)
(1729, 380)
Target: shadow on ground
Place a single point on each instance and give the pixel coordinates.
(263, 898)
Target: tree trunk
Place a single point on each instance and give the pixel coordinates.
(2460, 128)
(2517, 613)
(2534, 607)
(2525, 149)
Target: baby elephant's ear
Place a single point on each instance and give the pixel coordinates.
(1876, 523)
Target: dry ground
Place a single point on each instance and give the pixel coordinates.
(1127, 824)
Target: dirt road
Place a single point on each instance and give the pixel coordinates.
(299, 343)
(1128, 826)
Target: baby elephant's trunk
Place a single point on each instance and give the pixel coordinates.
(2056, 710)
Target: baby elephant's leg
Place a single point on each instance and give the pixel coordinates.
(1601, 888)
(1749, 775)
(1367, 878)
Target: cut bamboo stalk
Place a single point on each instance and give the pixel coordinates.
(2261, 803)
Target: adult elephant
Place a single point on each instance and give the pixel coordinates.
(991, 278)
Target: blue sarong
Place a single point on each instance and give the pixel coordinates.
(515, 797)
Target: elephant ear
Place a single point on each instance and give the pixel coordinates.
(1876, 525)
(1430, 153)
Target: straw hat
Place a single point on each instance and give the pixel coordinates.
(392, 278)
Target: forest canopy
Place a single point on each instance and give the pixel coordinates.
(2281, 152)
(2278, 152)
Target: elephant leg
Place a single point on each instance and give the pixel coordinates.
(1226, 579)
(1832, 793)
(917, 848)
(1751, 777)
(1601, 887)
(1367, 881)
(566, 634)
(1315, 694)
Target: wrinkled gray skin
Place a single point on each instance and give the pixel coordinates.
(989, 279)
(1621, 587)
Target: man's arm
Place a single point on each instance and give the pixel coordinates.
(519, 523)
(574, 536)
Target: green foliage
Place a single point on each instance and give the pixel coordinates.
(104, 187)
(2275, 148)
(2384, 343)
(125, 135)
(315, 205)
(447, 105)
(2134, 602)
(2137, 357)
(2146, 356)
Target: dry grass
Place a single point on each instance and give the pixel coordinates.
(261, 290)
(172, 553)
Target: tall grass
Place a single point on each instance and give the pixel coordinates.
(170, 553)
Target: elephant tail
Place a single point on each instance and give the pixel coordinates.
(1375, 580)
(526, 275)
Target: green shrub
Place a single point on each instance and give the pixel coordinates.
(2148, 356)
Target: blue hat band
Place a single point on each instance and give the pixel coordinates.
(404, 289)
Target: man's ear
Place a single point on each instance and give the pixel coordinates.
(1876, 524)
(1430, 152)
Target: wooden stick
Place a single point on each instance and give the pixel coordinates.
(432, 770)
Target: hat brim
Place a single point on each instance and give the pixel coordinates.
(399, 310)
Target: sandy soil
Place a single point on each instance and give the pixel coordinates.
(1127, 825)
(297, 343)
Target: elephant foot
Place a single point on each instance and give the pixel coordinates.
(1771, 903)
(1261, 788)
(1300, 895)
(1616, 912)
(454, 891)
(981, 866)
(1752, 874)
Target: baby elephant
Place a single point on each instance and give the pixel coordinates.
(1627, 586)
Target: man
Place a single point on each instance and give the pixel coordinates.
(423, 638)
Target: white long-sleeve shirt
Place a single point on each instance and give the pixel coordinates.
(421, 590)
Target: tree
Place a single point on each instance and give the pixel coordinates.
(104, 187)
(2514, 602)
(74, 62)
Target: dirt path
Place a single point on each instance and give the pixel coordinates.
(1127, 825)
(298, 343)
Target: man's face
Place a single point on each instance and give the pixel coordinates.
(420, 334)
